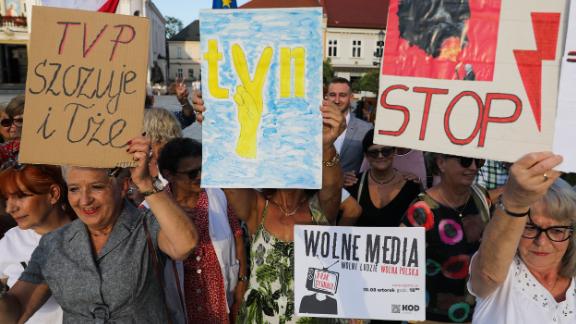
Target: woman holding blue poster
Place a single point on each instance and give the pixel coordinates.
(271, 216)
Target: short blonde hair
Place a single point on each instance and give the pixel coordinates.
(161, 125)
(560, 202)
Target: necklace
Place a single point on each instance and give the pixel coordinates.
(461, 210)
(382, 182)
(285, 211)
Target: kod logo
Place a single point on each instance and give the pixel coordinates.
(410, 308)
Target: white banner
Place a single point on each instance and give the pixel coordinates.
(475, 78)
(360, 273)
(566, 114)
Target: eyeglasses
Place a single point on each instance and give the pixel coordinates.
(192, 174)
(7, 122)
(554, 233)
(385, 152)
(466, 162)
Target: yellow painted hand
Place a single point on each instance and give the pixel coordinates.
(249, 106)
(249, 99)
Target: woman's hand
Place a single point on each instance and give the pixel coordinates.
(181, 91)
(239, 291)
(139, 147)
(198, 104)
(350, 178)
(529, 180)
(333, 121)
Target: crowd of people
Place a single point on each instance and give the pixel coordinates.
(149, 245)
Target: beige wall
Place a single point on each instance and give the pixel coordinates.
(185, 56)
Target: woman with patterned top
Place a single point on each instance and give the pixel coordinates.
(212, 291)
(454, 214)
(525, 269)
(271, 216)
(11, 121)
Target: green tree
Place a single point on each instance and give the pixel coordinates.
(173, 26)
(328, 72)
(368, 82)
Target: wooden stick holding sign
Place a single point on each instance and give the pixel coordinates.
(85, 87)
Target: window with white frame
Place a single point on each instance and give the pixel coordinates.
(356, 48)
(332, 48)
(180, 73)
(179, 52)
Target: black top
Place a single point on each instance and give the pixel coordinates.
(389, 215)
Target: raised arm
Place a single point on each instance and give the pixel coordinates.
(177, 236)
(530, 178)
(187, 110)
(334, 124)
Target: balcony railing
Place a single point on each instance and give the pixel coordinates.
(7, 21)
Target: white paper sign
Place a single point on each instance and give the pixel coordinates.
(566, 114)
(475, 78)
(361, 273)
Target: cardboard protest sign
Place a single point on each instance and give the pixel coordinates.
(474, 78)
(262, 79)
(566, 114)
(85, 87)
(360, 272)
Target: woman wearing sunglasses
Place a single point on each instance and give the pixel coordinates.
(454, 213)
(11, 123)
(525, 269)
(383, 193)
(213, 277)
(36, 199)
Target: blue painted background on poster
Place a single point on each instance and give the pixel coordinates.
(288, 138)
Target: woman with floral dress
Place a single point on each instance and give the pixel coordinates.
(271, 216)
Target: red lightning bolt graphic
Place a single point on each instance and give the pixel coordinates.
(546, 26)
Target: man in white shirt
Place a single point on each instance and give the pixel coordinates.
(349, 143)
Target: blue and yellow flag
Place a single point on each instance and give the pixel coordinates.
(224, 4)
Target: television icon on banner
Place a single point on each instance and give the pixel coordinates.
(323, 283)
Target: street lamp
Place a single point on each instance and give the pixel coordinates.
(379, 47)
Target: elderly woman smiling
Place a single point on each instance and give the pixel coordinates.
(525, 268)
(100, 267)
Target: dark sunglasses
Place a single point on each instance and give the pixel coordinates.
(192, 174)
(385, 152)
(466, 162)
(7, 122)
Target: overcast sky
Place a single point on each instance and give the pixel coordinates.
(185, 10)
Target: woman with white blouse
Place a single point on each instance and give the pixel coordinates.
(524, 271)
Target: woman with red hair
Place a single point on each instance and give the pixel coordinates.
(36, 199)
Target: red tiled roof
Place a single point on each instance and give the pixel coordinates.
(357, 13)
(280, 4)
(341, 13)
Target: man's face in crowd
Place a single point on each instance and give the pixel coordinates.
(340, 94)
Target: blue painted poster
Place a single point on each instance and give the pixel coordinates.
(262, 86)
